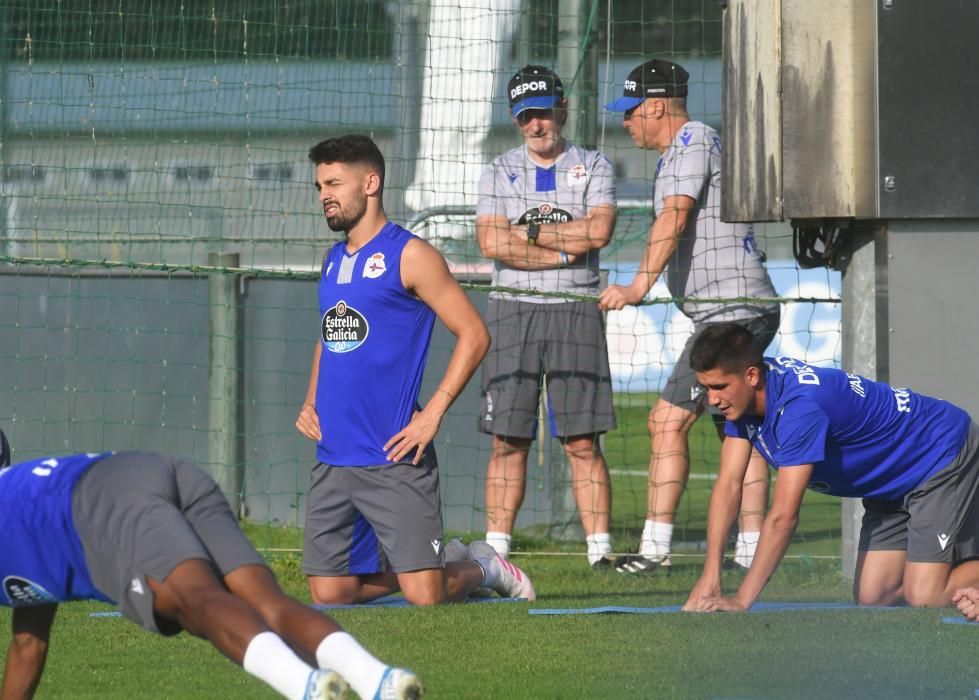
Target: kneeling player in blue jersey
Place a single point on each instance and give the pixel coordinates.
(913, 459)
(155, 535)
(373, 515)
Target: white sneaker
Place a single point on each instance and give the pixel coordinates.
(326, 684)
(399, 684)
(512, 581)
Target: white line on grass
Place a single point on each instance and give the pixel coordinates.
(645, 474)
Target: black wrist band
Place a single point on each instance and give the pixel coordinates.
(533, 231)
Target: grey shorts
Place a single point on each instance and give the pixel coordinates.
(682, 388)
(566, 342)
(938, 522)
(139, 515)
(365, 520)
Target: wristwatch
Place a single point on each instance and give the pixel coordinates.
(533, 231)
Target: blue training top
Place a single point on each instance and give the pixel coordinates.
(375, 337)
(863, 438)
(41, 560)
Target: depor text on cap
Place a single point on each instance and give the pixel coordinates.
(534, 87)
(655, 78)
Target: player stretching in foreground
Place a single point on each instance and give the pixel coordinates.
(913, 459)
(155, 535)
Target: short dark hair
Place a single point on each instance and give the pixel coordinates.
(351, 148)
(730, 346)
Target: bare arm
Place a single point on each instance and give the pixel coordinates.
(423, 271)
(725, 502)
(663, 236)
(27, 651)
(497, 241)
(576, 237)
(776, 534)
(308, 422)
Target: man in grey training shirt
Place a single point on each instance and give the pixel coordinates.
(545, 210)
(707, 263)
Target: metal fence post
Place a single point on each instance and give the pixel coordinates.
(226, 434)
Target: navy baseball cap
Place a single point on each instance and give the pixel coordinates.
(534, 87)
(655, 78)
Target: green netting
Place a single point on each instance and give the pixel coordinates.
(152, 150)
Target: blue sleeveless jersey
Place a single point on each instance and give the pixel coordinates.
(864, 438)
(41, 560)
(375, 337)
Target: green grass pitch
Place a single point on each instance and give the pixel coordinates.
(488, 651)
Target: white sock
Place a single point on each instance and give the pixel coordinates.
(271, 660)
(359, 667)
(599, 545)
(500, 541)
(744, 548)
(656, 538)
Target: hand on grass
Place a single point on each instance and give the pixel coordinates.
(415, 436)
(706, 589)
(720, 604)
(968, 601)
(308, 422)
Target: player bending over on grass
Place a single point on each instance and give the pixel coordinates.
(154, 535)
(913, 459)
(373, 514)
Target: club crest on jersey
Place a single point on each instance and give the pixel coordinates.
(577, 175)
(344, 328)
(375, 267)
(23, 593)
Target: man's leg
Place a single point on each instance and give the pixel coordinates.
(669, 467)
(934, 585)
(315, 637)
(348, 590)
(879, 577)
(433, 586)
(510, 386)
(943, 530)
(592, 492)
(339, 542)
(754, 503)
(192, 595)
(887, 578)
(506, 481)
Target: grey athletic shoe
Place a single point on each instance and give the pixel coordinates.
(455, 550)
(512, 581)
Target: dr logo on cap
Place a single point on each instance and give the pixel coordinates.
(655, 78)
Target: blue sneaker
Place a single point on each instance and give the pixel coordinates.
(326, 684)
(399, 684)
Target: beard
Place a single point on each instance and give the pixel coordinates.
(346, 219)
